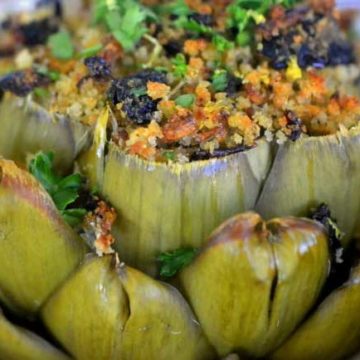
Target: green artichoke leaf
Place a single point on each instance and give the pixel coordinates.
(20, 344)
(161, 321)
(27, 128)
(88, 313)
(92, 161)
(108, 311)
(332, 332)
(254, 282)
(38, 250)
(312, 171)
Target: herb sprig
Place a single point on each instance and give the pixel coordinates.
(125, 19)
(244, 14)
(172, 262)
(63, 190)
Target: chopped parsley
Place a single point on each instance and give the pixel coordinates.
(63, 190)
(180, 66)
(172, 262)
(89, 52)
(140, 91)
(244, 14)
(185, 100)
(220, 80)
(125, 19)
(53, 75)
(61, 45)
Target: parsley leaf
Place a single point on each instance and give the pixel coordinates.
(61, 45)
(244, 14)
(220, 80)
(179, 65)
(220, 42)
(89, 52)
(185, 100)
(63, 190)
(172, 262)
(125, 19)
(140, 91)
(177, 7)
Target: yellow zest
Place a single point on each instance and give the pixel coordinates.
(293, 72)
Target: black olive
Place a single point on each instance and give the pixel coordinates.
(37, 32)
(131, 92)
(99, 68)
(21, 83)
(306, 57)
(340, 54)
(294, 124)
(203, 19)
(173, 47)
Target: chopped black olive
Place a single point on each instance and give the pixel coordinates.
(173, 47)
(341, 260)
(218, 153)
(294, 124)
(138, 106)
(322, 214)
(340, 53)
(306, 57)
(21, 83)
(37, 32)
(99, 68)
(234, 84)
(203, 19)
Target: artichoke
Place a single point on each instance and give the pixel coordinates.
(204, 135)
(186, 202)
(17, 343)
(28, 128)
(247, 291)
(315, 170)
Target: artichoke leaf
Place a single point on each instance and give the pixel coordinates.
(160, 320)
(253, 282)
(20, 344)
(332, 332)
(163, 207)
(88, 313)
(316, 170)
(108, 311)
(38, 250)
(27, 128)
(92, 161)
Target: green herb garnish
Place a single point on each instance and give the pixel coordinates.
(138, 91)
(41, 93)
(169, 155)
(220, 80)
(125, 19)
(61, 45)
(63, 190)
(177, 7)
(91, 51)
(53, 75)
(172, 262)
(244, 14)
(180, 66)
(185, 100)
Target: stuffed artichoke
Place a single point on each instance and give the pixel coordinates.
(130, 134)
